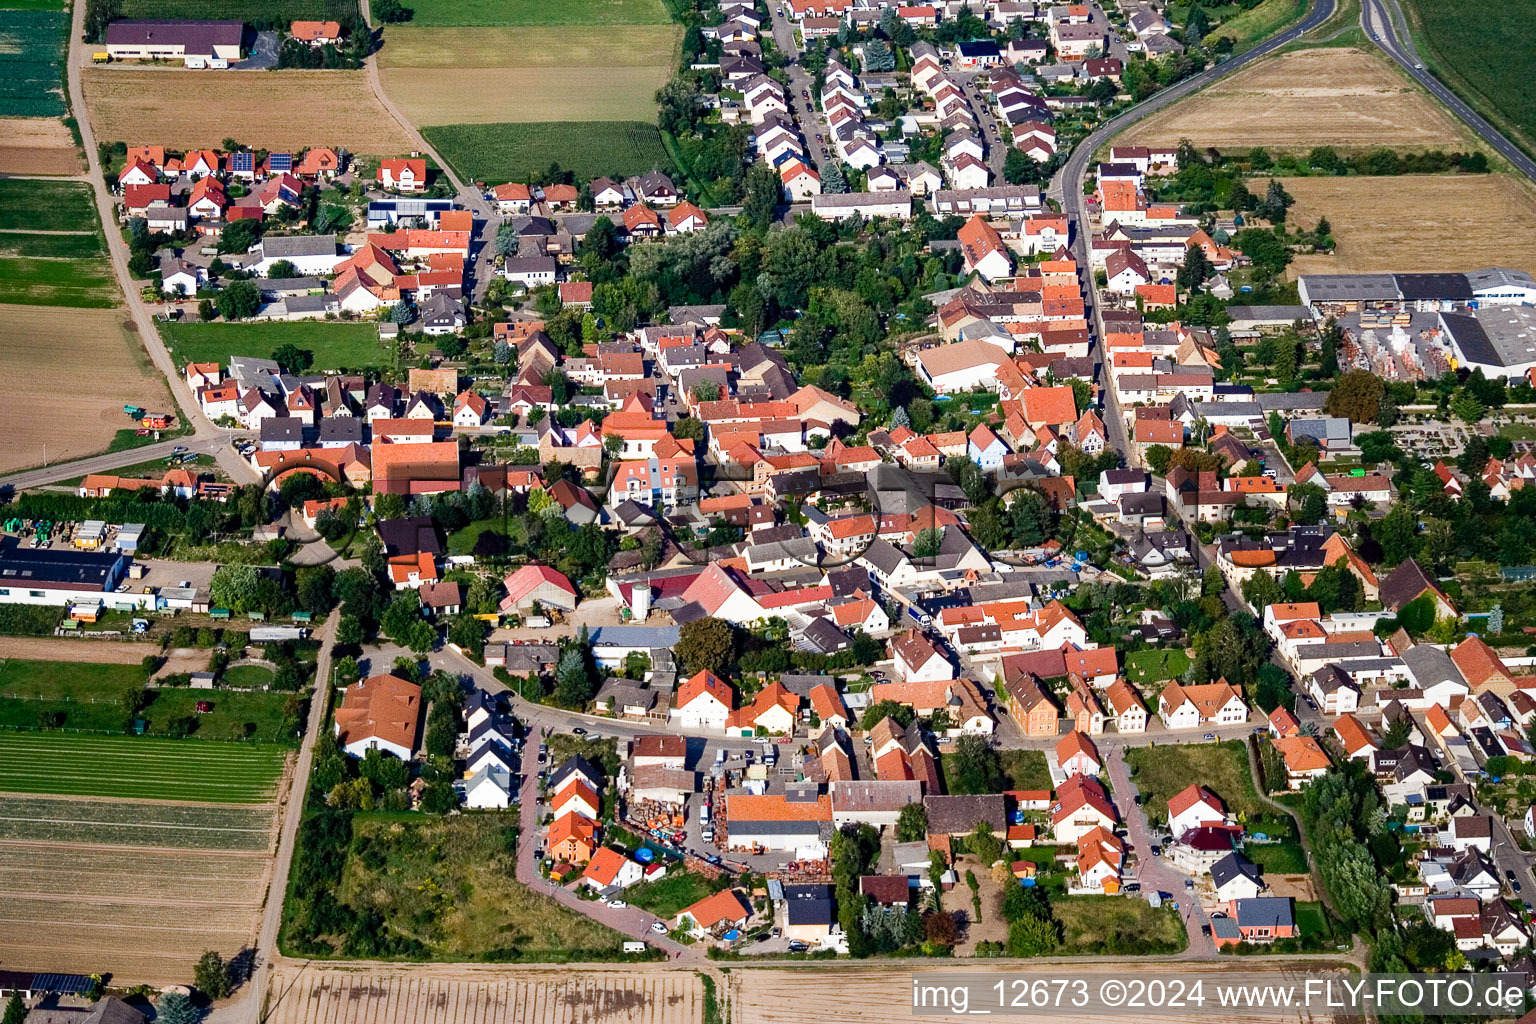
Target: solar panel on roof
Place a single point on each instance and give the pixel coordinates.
(280, 162)
(64, 984)
(243, 161)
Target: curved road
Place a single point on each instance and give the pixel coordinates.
(1067, 186)
(1385, 22)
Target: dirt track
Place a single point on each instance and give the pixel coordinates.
(100, 652)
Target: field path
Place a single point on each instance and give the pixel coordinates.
(92, 651)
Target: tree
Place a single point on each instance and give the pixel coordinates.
(391, 11)
(833, 181)
(901, 714)
(983, 842)
(762, 192)
(98, 15)
(1158, 456)
(1196, 269)
(1240, 198)
(402, 312)
(239, 299)
(282, 270)
(912, 824)
(1356, 395)
(878, 56)
(176, 1009)
(928, 542)
(706, 645)
(239, 236)
(976, 768)
(292, 359)
(1467, 408)
(1031, 935)
(573, 684)
(211, 973)
(1233, 650)
(236, 587)
(16, 1009)
(1196, 25)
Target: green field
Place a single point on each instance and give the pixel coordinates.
(1025, 769)
(32, 205)
(495, 153)
(82, 246)
(579, 13)
(116, 823)
(247, 675)
(1481, 49)
(1251, 27)
(1161, 772)
(448, 883)
(335, 345)
(138, 768)
(39, 282)
(670, 893)
(37, 5)
(1115, 925)
(32, 45)
(90, 697)
(254, 12)
(1278, 858)
(1142, 667)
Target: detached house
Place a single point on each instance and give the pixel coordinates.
(703, 703)
(403, 175)
(1191, 707)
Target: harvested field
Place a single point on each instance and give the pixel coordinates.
(206, 828)
(61, 346)
(263, 12)
(37, 145)
(99, 652)
(1343, 98)
(489, 995)
(439, 96)
(139, 767)
(254, 106)
(1484, 220)
(406, 46)
(138, 890)
(583, 13)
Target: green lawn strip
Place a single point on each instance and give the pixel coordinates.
(83, 245)
(1025, 769)
(1115, 925)
(253, 11)
(334, 345)
(120, 823)
(1155, 666)
(671, 893)
(697, 184)
(247, 675)
(27, 204)
(142, 767)
(576, 13)
(496, 153)
(85, 284)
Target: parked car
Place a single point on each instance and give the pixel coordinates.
(579, 731)
(658, 928)
(1210, 736)
(618, 905)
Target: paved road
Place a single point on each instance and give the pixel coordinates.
(1067, 188)
(217, 446)
(249, 1008)
(1154, 873)
(803, 110)
(1384, 21)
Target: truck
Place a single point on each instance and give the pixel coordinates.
(156, 420)
(269, 634)
(133, 411)
(917, 615)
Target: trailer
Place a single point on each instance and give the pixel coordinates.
(133, 411)
(270, 634)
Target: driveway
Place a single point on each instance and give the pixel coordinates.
(1153, 872)
(263, 55)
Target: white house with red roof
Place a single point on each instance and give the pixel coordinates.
(703, 702)
(403, 175)
(919, 661)
(470, 409)
(610, 869)
(1195, 807)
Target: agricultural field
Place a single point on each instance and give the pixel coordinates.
(486, 995)
(439, 96)
(254, 106)
(255, 12)
(495, 153)
(582, 13)
(96, 886)
(83, 284)
(139, 767)
(37, 145)
(448, 883)
(335, 345)
(66, 268)
(46, 206)
(32, 46)
(1479, 49)
(1483, 220)
(60, 342)
(547, 46)
(1340, 97)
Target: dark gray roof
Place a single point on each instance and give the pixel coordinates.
(196, 37)
(1403, 584)
(1265, 912)
(286, 246)
(1291, 402)
(1232, 866)
(340, 429)
(957, 815)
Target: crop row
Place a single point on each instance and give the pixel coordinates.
(127, 824)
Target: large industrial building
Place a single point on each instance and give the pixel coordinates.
(1328, 294)
(197, 44)
(1500, 341)
(64, 577)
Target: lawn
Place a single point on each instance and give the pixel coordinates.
(1025, 769)
(32, 59)
(1143, 667)
(90, 697)
(1474, 46)
(255, 12)
(1312, 919)
(247, 675)
(670, 893)
(1161, 772)
(82, 246)
(462, 542)
(336, 346)
(582, 13)
(1117, 925)
(85, 284)
(139, 768)
(1286, 858)
(448, 883)
(495, 153)
(1518, 431)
